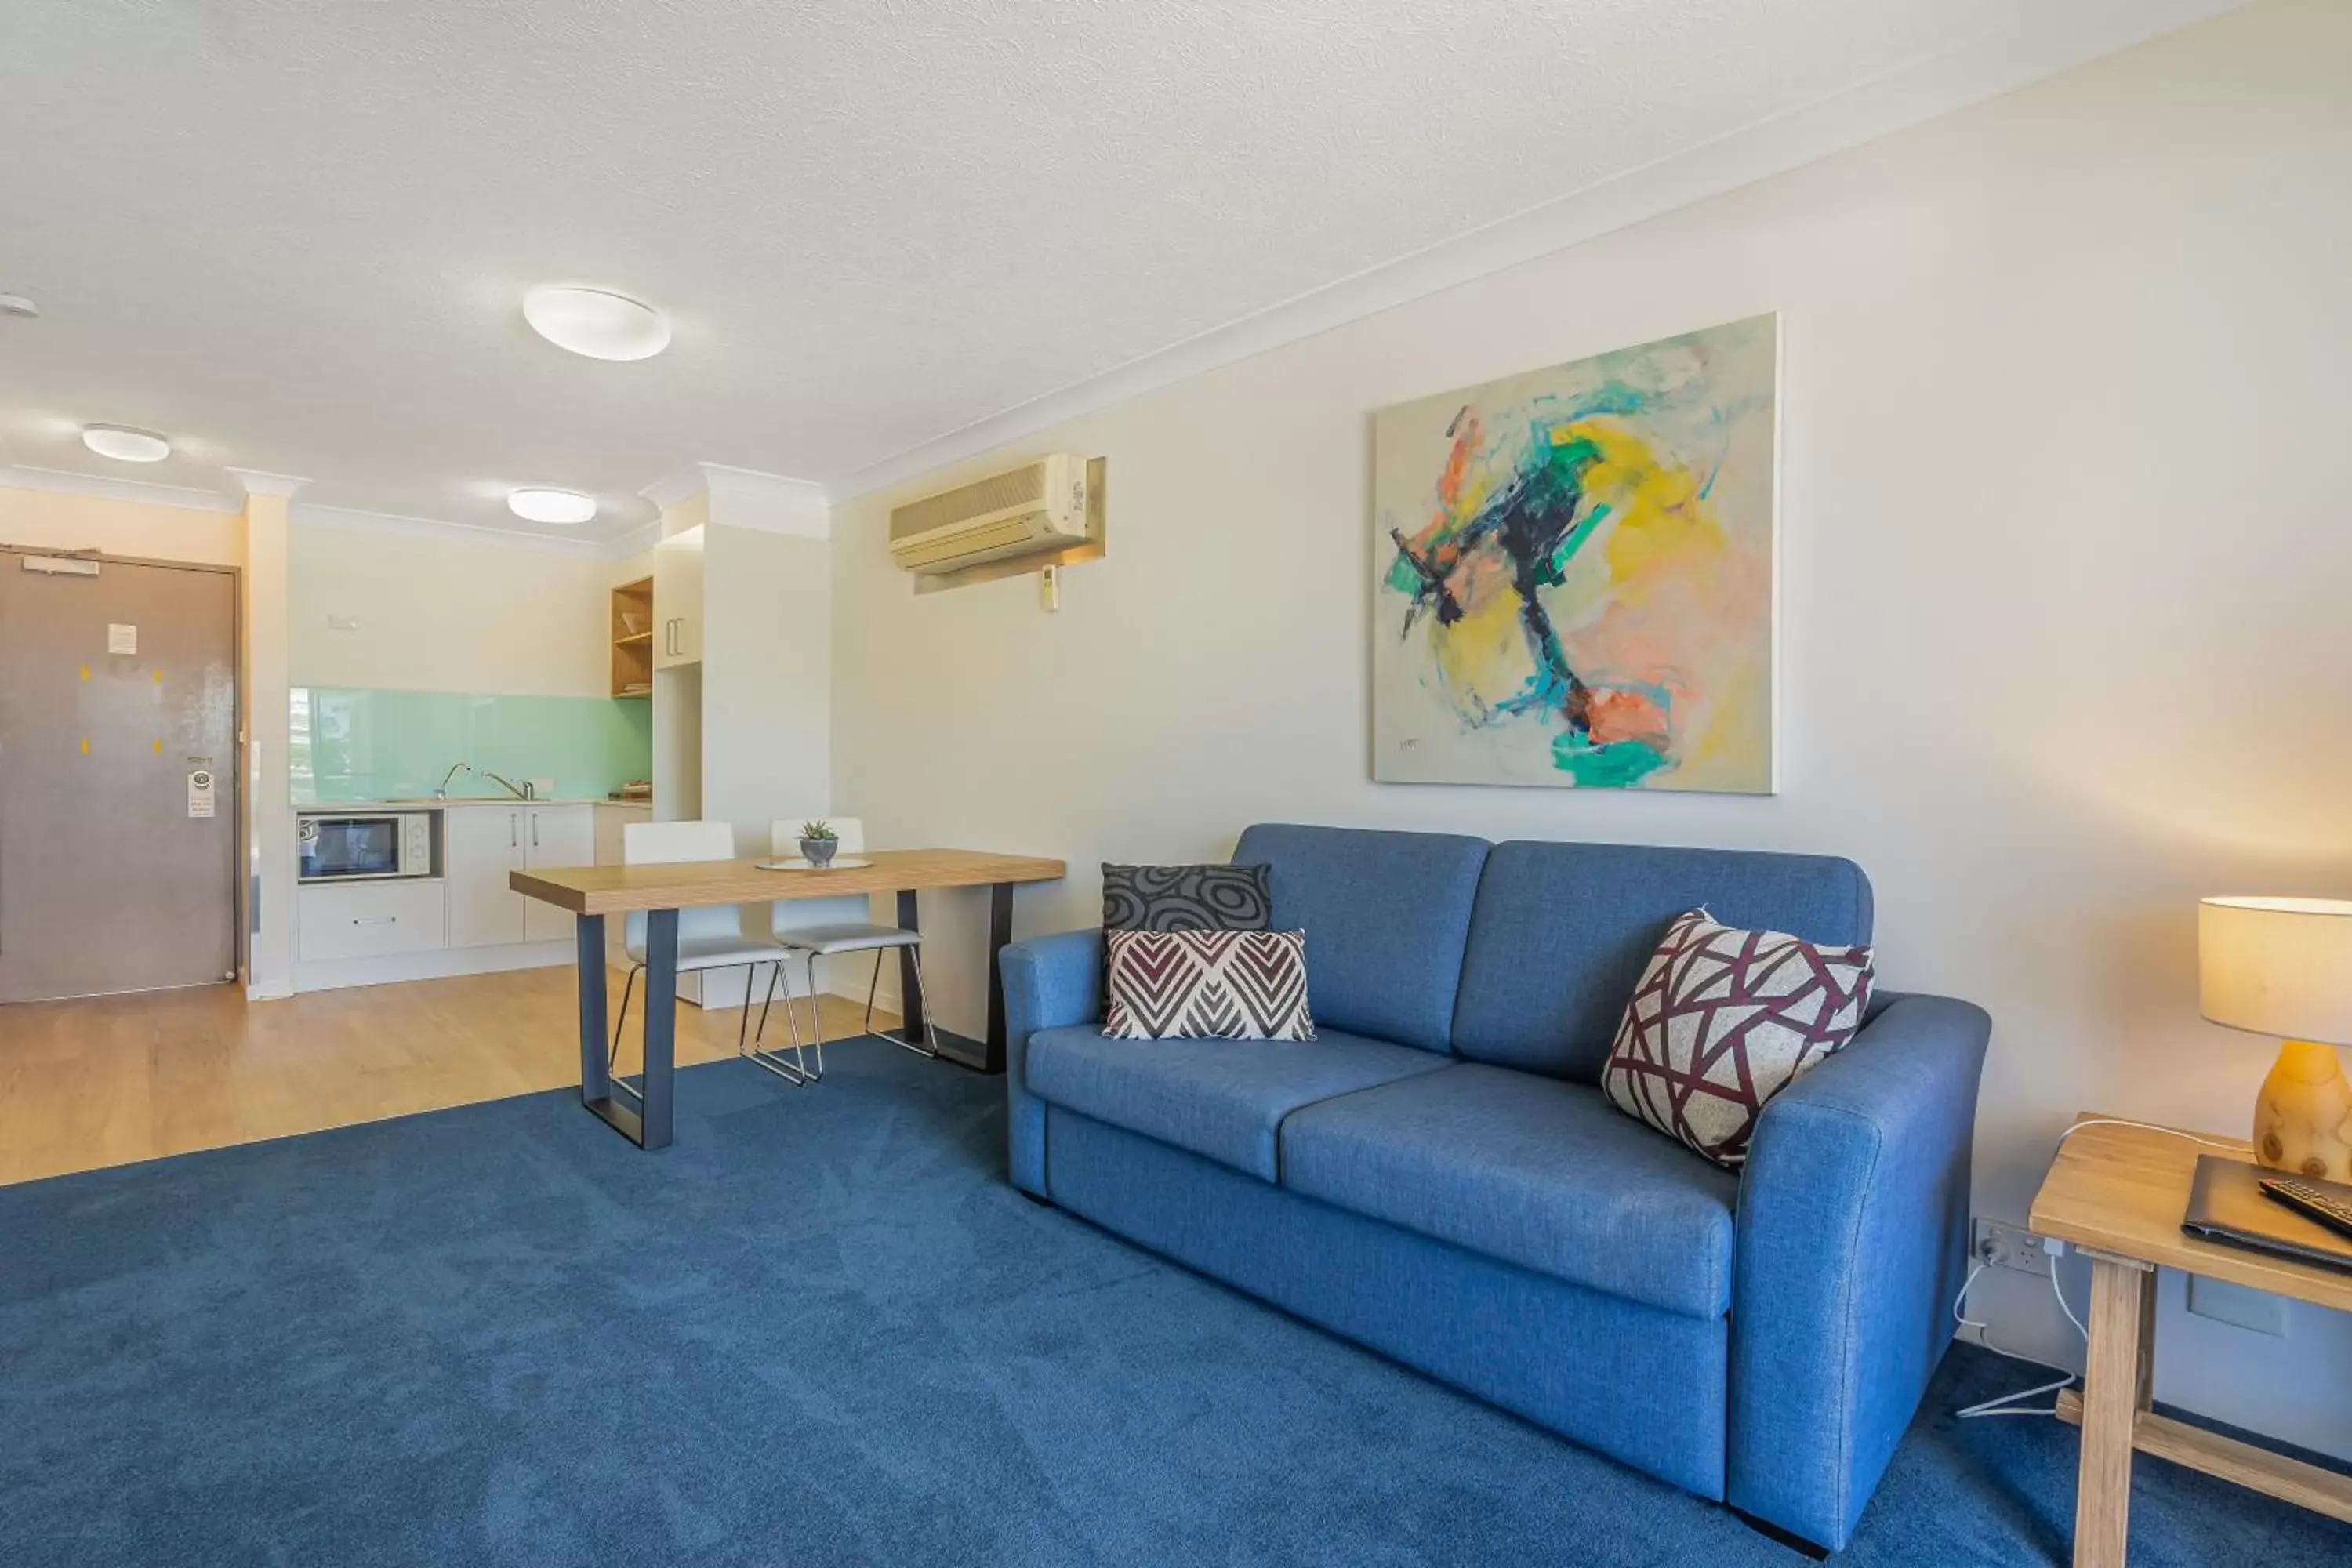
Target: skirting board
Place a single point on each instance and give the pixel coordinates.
(434, 963)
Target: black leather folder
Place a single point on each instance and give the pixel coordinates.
(2227, 1205)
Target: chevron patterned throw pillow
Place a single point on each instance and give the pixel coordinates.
(1207, 985)
(1723, 1020)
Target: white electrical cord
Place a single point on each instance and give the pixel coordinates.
(2061, 1303)
(2004, 1406)
(2235, 1148)
(2001, 1406)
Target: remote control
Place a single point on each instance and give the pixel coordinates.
(2310, 1202)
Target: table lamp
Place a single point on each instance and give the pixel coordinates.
(2284, 967)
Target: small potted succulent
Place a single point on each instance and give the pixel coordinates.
(818, 842)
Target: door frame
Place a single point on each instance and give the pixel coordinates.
(244, 864)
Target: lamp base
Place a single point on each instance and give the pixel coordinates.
(2302, 1118)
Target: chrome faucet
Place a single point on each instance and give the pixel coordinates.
(520, 791)
(455, 769)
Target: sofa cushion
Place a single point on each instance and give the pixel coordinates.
(1220, 1099)
(1185, 898)
(1533, 1171)
(1206, 985)
(1560, 932)
(1723, 1020)
(1385, 916)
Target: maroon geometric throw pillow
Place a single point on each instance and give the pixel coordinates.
(1723, 1020)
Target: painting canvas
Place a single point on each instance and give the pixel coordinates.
(1573, 573)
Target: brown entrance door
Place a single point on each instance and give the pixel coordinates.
(118, 776)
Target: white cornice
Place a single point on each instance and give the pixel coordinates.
(2055, 38)
(58, 481)
(635, 542)
(746, 498)
(260, 482)
(671, 488)
(769, 503)
(510, 538)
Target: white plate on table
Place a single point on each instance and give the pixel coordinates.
(838, 863)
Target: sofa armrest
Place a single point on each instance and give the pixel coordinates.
(1049, 981)
(1853, 1231)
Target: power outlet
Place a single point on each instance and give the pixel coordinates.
(2008, 1246)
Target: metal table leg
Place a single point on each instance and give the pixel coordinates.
(1000, 934)
(596, 1083)
(991, 1058)
(648, 1127)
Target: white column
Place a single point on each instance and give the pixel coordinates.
(267, 788)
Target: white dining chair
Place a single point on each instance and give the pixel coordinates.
(811, 928)
(707, 938)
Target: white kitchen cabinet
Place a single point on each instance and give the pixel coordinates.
(482, 844)
(555, 835)
(368, 920)
(479, 845)
(677, 600)
(611, 818)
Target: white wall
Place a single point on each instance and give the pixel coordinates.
(767, 651)
(447, 613)
(767, 718)
(2064, 551)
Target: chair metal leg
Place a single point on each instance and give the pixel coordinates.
(794, 1072)
(922, 1005)
(816, 1015)
(761, 1032)
(627, 986)
(873, 986)
(613, 1061)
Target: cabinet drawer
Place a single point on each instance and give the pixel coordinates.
(367, 919)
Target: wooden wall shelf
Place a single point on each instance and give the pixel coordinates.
(632, 638)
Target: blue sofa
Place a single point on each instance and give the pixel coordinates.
(1439, 1177)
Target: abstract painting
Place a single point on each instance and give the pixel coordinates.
(1573, 573)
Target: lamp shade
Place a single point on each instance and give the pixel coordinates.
(2280, 967)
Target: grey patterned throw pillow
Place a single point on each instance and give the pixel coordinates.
(1186, 898)
(1207, 985)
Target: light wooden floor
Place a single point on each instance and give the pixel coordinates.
(114, 1079)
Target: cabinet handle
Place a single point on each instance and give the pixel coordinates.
(534, 830)
(514, 833)
(375, 921)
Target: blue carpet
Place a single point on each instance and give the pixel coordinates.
(820, 1329)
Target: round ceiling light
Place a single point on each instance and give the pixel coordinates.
(125, 444)
(596, 322)
(552, 506)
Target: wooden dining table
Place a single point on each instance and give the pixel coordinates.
(661, 891)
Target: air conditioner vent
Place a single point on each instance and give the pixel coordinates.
(998, 492)
(1035, 509)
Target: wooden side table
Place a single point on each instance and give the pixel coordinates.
(2118, 1193)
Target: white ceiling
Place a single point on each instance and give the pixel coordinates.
(295, 237)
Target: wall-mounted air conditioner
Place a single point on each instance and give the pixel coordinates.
(1035, 509)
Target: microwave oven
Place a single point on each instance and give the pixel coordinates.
(364, 846)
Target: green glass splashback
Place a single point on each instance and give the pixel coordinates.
(356, 744)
